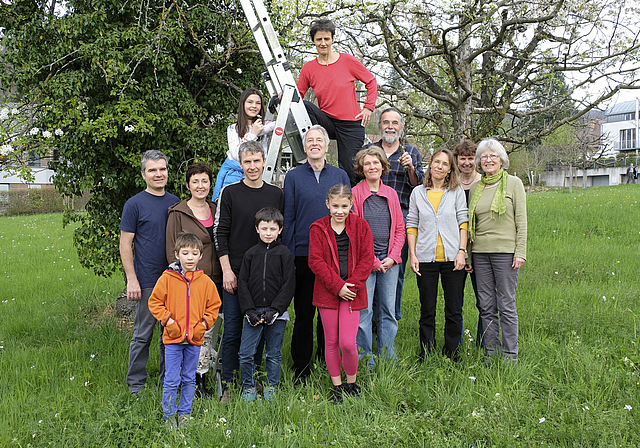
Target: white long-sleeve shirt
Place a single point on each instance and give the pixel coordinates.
(235, 141)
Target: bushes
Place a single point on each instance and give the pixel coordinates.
(31, 201)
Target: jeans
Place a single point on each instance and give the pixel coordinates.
(251, 336)
(402, 267)
(182, 361)
(381, 288)
(452, 282)
(143, 328)
(497, 282)
(302, 337)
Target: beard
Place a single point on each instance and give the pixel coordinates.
(390, 139)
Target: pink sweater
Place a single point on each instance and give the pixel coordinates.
(334, 87)
(396, 239)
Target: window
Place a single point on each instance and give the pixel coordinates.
(627, 139)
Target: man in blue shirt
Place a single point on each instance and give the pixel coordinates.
(406, 173)
(144, 222)
(305, 194)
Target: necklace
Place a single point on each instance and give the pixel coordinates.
(470, 182)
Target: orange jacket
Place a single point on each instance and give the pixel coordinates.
(189, 300)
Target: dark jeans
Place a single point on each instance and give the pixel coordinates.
(251, 336)
(480, 332)
(405, 256)
(452, 282)
(143, 327)
(231, 337)
(348, 134)
(302, 337)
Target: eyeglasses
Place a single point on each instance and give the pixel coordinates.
(490, 156)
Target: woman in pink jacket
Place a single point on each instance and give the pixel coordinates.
(379, 205)
(340, 256)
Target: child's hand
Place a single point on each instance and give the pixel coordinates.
(270, 316)
(170, 321)
(345, 293)
(254, 318)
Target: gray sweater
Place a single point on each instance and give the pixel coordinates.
(452, 212)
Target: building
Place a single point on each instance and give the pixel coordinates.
(620, 130)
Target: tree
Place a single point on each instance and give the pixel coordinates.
(479, 65)
(118, 78)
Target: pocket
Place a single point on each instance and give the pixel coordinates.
(198, 332)
(173, 330)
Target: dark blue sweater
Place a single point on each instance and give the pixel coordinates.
(305, 203)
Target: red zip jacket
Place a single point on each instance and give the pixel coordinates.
(188, 299)
(323, 261)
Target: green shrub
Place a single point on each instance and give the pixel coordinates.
(30, 201)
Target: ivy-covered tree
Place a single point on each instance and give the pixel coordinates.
(116, 78)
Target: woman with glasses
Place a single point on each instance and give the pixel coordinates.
(498, 236)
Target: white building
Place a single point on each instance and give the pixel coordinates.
(620, 130)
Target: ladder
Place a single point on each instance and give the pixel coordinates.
(292, 119)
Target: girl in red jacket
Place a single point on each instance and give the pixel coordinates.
(340, 256)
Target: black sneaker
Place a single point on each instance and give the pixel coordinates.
(337, 393)
(352, 389)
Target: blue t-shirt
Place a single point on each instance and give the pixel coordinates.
(146, 216)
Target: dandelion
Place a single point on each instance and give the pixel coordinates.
(472, 378)
(239, 70)
(628, 407)
(34, 131)
(46, 134)
(59, 132)
(6, 149)
(542, 420)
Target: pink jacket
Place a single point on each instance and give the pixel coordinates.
(397, 235)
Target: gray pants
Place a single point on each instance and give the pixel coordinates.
(143, 327)
(497, 282)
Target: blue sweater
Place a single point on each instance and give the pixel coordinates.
(305, 203)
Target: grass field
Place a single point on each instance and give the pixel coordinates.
(63, 354)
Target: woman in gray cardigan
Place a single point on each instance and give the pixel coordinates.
(437, 237)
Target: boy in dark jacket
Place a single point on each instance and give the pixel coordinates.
(265, 288)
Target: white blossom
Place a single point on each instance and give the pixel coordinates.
(4, 113)
(219, 48)
(59, 132)
(239, 70)
(14, 111)
(46, 134)
(34, 131)
(129, 128)
(472, 378)
(542, 420)
(5, 149)
(628, 407)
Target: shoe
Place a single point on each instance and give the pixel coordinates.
(337, 393)
(225, 397)
(201, 388)
(259, 387)
(249, 394)
(183, 420)
(269, 393)
(300, 378)
(352, 389)
(170, 423)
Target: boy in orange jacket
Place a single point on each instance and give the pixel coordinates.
(186, 303)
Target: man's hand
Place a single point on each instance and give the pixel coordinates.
(134, 293)
(365, 115)
(406, 161)
(345, 293)
(229, 281)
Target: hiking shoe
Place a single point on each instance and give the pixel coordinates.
(337, 393)
(352, 389)
(170, 423)
(248, 394)
(269, 393)
(225, 397)
(183, 420)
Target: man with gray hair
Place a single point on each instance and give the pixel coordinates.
(234, 233)
(405, 173)
(144, 220)
(305, 194)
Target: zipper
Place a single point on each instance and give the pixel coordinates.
(264, 275)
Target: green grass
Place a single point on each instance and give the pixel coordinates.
(64, 355)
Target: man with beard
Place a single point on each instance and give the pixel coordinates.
(406, 172)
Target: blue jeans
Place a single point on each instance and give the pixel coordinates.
(181, 363)
(273, 335)
(402, 267)
(381, 288)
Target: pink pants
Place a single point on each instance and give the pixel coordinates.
(340, 330)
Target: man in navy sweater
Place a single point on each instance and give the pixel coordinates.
(235, 233)
(305, 194)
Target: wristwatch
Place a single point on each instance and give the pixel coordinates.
(463, 250)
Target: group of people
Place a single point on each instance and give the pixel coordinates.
(343, 249)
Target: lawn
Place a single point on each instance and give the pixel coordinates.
(63, 355)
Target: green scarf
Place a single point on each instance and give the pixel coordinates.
(498, 206)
